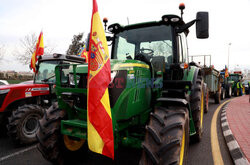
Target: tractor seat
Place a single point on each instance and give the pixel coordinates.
(158, 63)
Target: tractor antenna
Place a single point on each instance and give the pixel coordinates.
(128, 20)
(105, 21)
(182, 7)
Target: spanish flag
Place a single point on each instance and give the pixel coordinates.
(39, 50)
(100, 129)
(83, 53)
(226, 72)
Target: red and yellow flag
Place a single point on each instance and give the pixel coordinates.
(39, 50)
(226, 72)
(83, 53)
(100, 129)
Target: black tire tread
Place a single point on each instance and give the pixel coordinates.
(49, 132)
(195, 103)
(165, 150)
(15, 119)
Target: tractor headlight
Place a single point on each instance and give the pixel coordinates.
(3, 91)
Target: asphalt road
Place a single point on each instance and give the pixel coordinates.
(199, 153)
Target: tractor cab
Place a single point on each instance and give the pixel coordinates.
(45, 73)
(161, 45)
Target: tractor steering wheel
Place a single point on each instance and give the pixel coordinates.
(146, 51)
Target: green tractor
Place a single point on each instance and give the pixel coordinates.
(156, 97)
(233, 79)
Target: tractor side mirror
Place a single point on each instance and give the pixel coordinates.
(202, 25)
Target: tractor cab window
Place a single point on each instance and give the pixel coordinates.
(144, 42)
(233, 78)
(46, 72)
(125, 51)
(182, 48)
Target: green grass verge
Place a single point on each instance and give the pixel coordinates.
(14, 81)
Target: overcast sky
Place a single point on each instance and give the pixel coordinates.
(61, 19)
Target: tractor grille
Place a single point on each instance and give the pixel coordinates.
(2, 97)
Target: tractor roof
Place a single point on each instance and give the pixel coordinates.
(172, 20)
(56, 57)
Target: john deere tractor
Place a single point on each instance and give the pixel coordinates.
(234, 78)
(156, 97)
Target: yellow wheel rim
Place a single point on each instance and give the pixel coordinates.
(182, 147)
(73, 145)
(202, 108)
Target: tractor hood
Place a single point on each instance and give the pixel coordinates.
(117, 65)
(13, 92)
(22, 86)
(126, 64)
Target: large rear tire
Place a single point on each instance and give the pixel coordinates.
(23, 123)
(167, 137)
(229, 92)
(206, 98)
(223, 93)
(197, 107)
(52, 144)
(217, 98)
(236, 92)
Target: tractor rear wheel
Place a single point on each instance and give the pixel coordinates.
(55, 147)
(229, 91)
(223, 93)
(197, 107)
(217, 97)
(23, 123)
(206, 98)
(236, 92)
(167, 137)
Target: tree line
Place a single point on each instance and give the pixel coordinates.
(28, 42)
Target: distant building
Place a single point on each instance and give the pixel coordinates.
(13, 75)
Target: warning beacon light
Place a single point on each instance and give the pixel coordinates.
(182, 7)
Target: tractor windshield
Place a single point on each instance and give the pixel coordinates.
(234, 78)
(46, 72)
(150, 41)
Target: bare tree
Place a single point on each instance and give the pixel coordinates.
(27, 45)
(76, 45)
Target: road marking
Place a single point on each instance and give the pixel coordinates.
(217, 158)
(17, 153)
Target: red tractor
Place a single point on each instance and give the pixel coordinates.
(22, 105)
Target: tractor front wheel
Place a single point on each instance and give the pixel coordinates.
(23, 123)
(167, 137)
(197, 107)
(55, 147)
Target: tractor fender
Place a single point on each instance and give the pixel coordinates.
(197, 72)
(173, 101)
(192, 75)
(20, 102)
